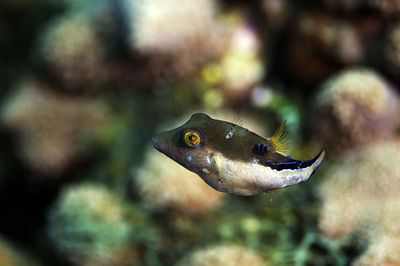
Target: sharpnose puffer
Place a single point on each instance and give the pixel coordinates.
(233, 159)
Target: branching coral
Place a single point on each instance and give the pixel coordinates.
(356, 107)
(361, 193)
(51, 127)
(229, 255)
(88, 225)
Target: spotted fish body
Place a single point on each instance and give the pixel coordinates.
(231, 158)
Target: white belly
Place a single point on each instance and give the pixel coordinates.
(251, 178)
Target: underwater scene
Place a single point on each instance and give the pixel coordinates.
(199, 132)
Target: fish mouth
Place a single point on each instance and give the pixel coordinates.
(156, 143)
(164, 143)
(160, 145)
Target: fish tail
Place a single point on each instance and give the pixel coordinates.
(316, 162)
(292, 177)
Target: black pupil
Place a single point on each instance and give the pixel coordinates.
(192, 138)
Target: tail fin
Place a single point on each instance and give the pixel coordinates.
(316, 161)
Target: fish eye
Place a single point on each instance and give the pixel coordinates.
(192, 138)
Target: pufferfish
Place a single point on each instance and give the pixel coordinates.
(233, 159)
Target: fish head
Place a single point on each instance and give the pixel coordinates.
(187, 145)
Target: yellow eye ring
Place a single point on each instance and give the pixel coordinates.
(192, 138)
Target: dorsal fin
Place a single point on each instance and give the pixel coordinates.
(280, 139)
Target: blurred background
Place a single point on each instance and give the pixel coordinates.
(86, 84)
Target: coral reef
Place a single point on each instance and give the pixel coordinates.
(51, 127)
(361, 194)
(229, 80)
(176, 35)
(74, 54)
(241, 66)
(355, 107)
(88, 225)
(321, 44)
(163, 183)
(86, 84)
(384, 241)
(147, 39)
(229, 255)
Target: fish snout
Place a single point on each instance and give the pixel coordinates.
(159, 143)
(154, 139)
(164, 143)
